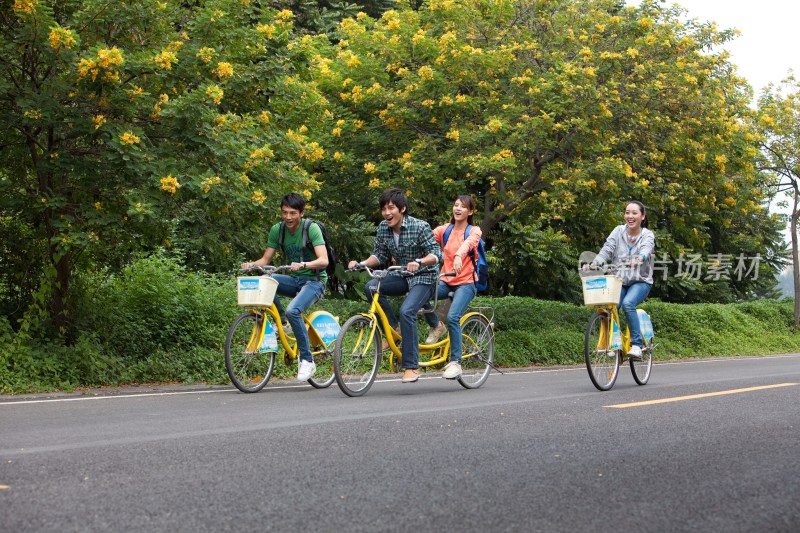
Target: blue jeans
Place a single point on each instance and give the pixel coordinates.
(418, 296)
(630, 297)
(462, 296)
(305, 293)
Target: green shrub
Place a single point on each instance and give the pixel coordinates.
(156, 305)
(158, 322)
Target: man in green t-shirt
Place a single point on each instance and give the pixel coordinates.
(306, 283)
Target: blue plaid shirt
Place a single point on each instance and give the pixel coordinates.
(416, 241)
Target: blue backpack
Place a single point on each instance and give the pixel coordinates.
(481, 273)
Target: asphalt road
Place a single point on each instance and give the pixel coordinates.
(538, 450)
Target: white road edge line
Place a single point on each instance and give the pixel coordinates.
(542, 371)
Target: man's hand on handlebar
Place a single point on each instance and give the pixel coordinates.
(413, 266)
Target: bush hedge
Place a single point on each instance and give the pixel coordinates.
(158, 322)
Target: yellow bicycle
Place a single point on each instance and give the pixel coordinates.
(604, 343)
(253, 339)
(357, 354)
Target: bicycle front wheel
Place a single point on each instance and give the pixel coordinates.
(248, 367)
(357, 355)
(601, 361)
(641, 369)
(477, 345)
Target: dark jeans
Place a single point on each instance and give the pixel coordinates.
(418, 296)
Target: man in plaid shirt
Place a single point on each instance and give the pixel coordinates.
(410, 242)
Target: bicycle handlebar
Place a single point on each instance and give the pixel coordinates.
(268, 269)
(382, 273)
(612, 268)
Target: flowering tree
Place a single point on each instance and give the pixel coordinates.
(779, 123)
(552, 113)
(134, 124)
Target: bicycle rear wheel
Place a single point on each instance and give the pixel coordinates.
(323, 358)
(601, 361)
(641, 369)
(477, 346)
(357, 355)
(248, 367)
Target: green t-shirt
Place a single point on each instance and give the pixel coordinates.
(293, 250)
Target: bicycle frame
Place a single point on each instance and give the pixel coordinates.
(605, 335)
(289, 347)
(439, 351)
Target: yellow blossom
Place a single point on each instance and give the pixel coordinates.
(258, 197)
(215, 93)
(374, 183)
(165, 59)
(175, 46)
(61, 38)
(224, 70)
(98, 206)
(205, 54)
(337, 155)
(425, 73)
(505, 154)
(494, 125)
(632, 52)
(336, 132)
(170, 184)
(453, 135)
(98, 121)
(285, 14)
(207, 183)
(312, 152)
(264, 117)
(369, 168)
(129, 138)
(25, 7)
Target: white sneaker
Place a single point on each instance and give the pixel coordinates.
(635, 353)
(305, 370)
(436, 333)
(452, 370)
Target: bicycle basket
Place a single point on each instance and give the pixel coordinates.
(255, 291)
(601, 290)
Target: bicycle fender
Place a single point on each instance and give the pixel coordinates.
(323, 328)
(475, 313)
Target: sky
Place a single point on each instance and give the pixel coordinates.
(767, 46)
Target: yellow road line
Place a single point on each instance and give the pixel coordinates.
(3, 487)
(695, 396)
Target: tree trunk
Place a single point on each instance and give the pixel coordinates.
(796, 258)
(59, 306)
